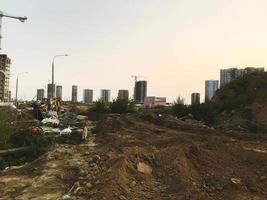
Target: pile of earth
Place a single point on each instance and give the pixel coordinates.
(129, 157)
(151, 161)
(242, 104)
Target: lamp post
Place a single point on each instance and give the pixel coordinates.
(17, 86)
(53, 63)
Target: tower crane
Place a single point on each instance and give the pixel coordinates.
(137, 77)
(2, 14)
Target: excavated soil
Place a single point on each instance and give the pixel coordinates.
(130, 158)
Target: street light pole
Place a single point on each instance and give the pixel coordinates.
(53, 72)
(17, 86)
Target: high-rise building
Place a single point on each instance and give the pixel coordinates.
(140, 91)
(5, 63)
(40, 94)
(123, 94)
(250, 70)
(9, 96)
(231, 74)
(105, 95)
(74, 94)
(195, 98)
(211, 86)
(49, 90)
(59, 92)
(228, 75)
(88, 96)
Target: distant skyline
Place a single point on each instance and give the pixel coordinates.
(175, 44)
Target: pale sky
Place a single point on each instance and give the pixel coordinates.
(175, 44)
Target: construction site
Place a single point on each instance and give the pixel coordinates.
(131, 144)
(136, 156)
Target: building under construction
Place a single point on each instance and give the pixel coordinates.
(5, 63)
(140, 91)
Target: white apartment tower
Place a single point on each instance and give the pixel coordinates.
(105, 95)
(87, 96)
(211, 86)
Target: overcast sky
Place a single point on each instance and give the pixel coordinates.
(174, 44)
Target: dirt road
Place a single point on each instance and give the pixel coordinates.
(137, 159)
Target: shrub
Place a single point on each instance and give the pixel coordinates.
(5, 133)
(206, 112)
(179, 109)
(100, 106)
(23, 138)
(6, 129)
(122, 105)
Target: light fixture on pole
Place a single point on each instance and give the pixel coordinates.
(17, 86)
(53, 64)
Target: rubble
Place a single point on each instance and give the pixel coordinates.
(127, 157)
(50, 122)
(81, 117)
(144, 168)
(66, 131)
(235, 180)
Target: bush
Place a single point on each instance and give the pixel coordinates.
(179, 109)
(242, 92)
(122, 105)
(100, 106)
(24, 138)
(6, 129)
(206, 112)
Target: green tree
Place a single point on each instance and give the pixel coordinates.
(122, 105)
(100, 106)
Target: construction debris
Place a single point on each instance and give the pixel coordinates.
(129, 157)
(144, 168)
(66, 131)
(50, 122)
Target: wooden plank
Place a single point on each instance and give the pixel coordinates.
(14, 150)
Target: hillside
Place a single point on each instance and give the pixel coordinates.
(242, 103)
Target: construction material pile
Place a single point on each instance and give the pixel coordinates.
(60, 121)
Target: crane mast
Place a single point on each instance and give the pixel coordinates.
(2, 14)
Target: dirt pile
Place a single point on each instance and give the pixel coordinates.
(137, 159)
(242, 104)
(181, 165)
